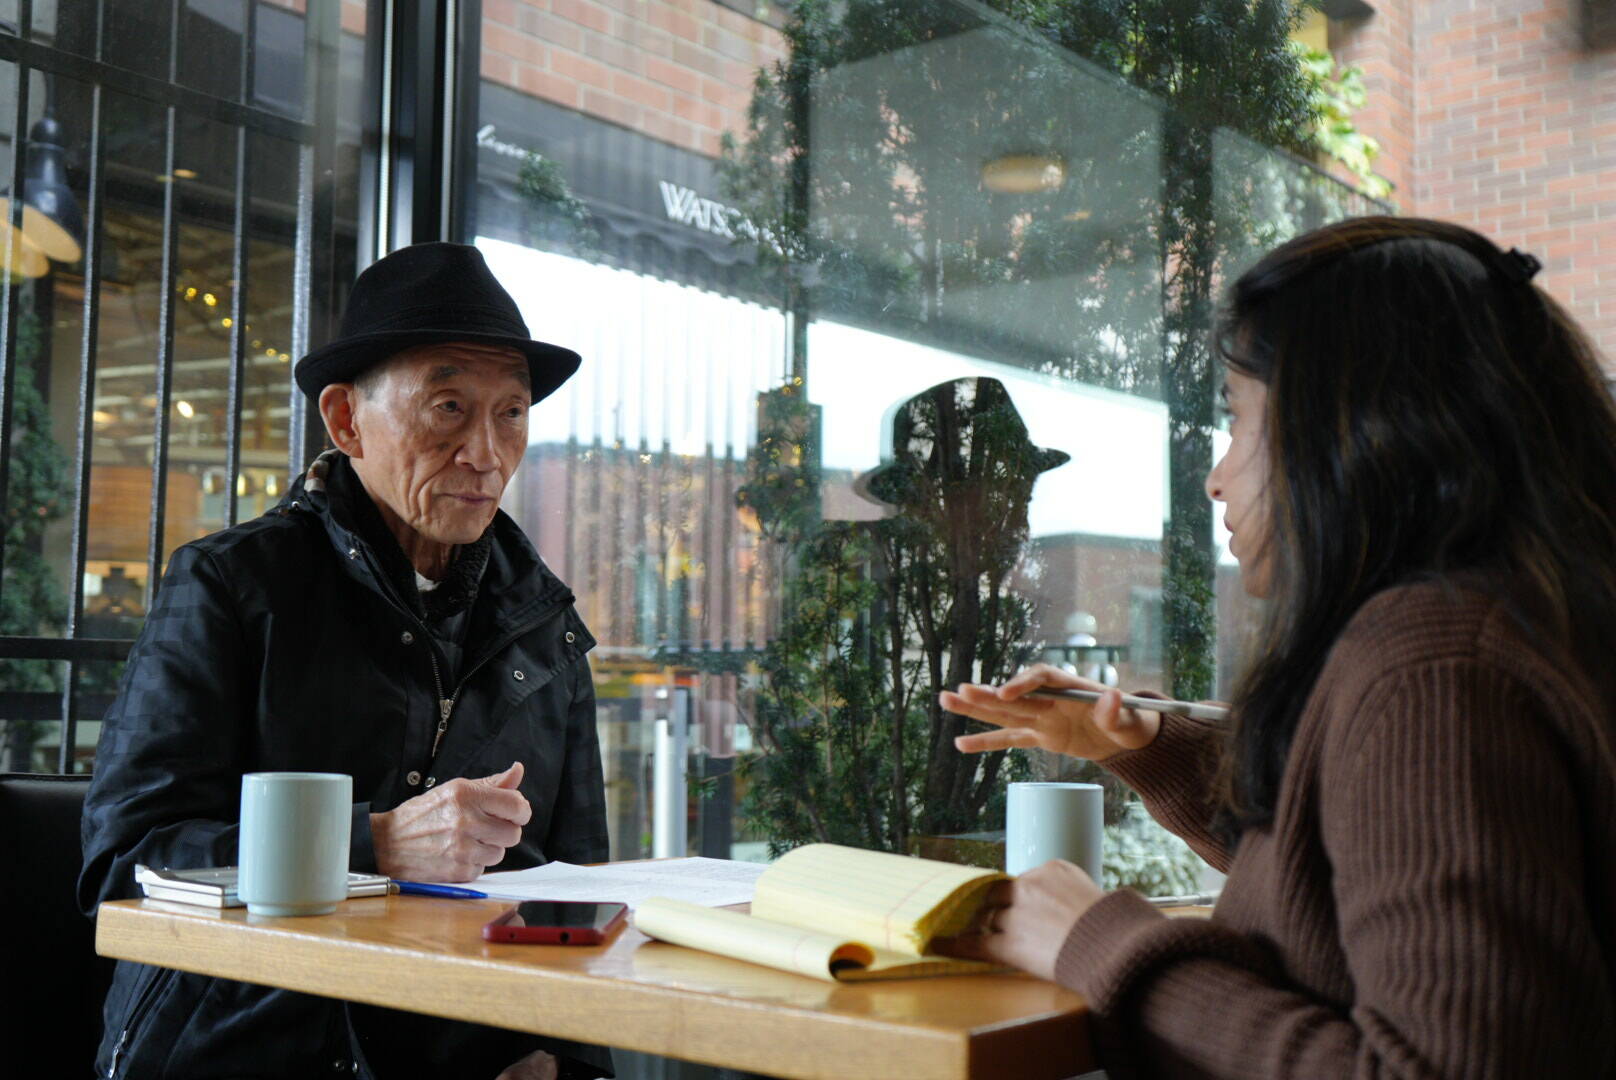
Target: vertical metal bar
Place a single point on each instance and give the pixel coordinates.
(165, 361)
(386, 149)
(447, 144)
(174, 9)
(297, 416)
(84, 436)
(249, 54)
(9, 296)
(727, 553)
(238, 324)
(315, 285)
(569, 503)
(238, 271)
(462, 105)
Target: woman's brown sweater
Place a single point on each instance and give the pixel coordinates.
(1436, 896)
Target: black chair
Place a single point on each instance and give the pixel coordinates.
(56, 982)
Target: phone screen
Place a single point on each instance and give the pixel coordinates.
(566, 913)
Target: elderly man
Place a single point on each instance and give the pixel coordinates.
(386, 621)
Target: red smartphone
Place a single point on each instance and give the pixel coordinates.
(557, 922)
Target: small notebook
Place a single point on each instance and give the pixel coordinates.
(839, 914)
(215, 886)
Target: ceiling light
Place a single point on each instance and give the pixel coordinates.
(1024, 174)
(57, 223)
(24, 259)
(185, 174)
(184, 408)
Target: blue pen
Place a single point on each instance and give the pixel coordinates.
(416, 888)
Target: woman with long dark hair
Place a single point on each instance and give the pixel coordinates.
(1415, 801)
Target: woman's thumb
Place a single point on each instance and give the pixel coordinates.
(1120, 725)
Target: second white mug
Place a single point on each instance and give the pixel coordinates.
(1045, 821)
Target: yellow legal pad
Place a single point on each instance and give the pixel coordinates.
(837, 913)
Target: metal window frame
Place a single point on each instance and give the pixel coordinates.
(315, 286)
(419, 158)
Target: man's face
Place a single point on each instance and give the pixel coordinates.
(440, 429)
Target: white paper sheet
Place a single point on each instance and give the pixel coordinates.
(708, 882)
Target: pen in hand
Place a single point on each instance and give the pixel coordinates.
(1180, 708)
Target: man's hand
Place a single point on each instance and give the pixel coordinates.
(452, 832)
(536, 1066)
(1065, 726)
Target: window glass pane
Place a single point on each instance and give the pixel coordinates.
(894, 375)
(211, 30)
(135, 34)
(267, 392)
(30, 714)
(284, 192)
(128, 347)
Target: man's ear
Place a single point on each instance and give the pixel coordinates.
(338, 407)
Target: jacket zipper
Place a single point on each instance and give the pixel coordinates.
(142, 1003)
(446, 704)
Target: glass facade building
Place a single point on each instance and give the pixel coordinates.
(891, 315)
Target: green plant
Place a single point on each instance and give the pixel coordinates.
(558, 219)
(1336, 95)
(1141, 855)
(882, 615)
(37, 492)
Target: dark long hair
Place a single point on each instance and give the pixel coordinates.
(1430, 411)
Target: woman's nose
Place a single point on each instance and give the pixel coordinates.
(1214, 482)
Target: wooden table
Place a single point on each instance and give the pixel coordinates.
(426, 955)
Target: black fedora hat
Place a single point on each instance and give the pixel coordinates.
(428, 293)
(987, 414)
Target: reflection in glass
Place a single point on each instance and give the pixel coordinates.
(926, 194)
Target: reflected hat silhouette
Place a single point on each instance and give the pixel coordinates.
(425, 294)
(912, 433)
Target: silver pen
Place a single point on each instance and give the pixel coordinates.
(1180, 708)
(1198, 900)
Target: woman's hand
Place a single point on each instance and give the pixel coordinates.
(1024, 921)
(1075, 728)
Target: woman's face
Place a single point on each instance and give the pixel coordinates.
(1240, 480)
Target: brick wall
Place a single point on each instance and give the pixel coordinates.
(1498, 115)
(678, 70)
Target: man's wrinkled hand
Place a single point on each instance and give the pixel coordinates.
(454, 831)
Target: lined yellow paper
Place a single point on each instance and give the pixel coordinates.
(891, 901)
(837, 913)
(789, 948)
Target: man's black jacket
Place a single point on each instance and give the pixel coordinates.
(284, 644)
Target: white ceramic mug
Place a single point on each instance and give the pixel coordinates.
(1045, 821)
(294, 842)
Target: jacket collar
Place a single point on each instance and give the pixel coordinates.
(516, 585)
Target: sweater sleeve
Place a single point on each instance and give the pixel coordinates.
(1175, 775)
(1450, 819)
